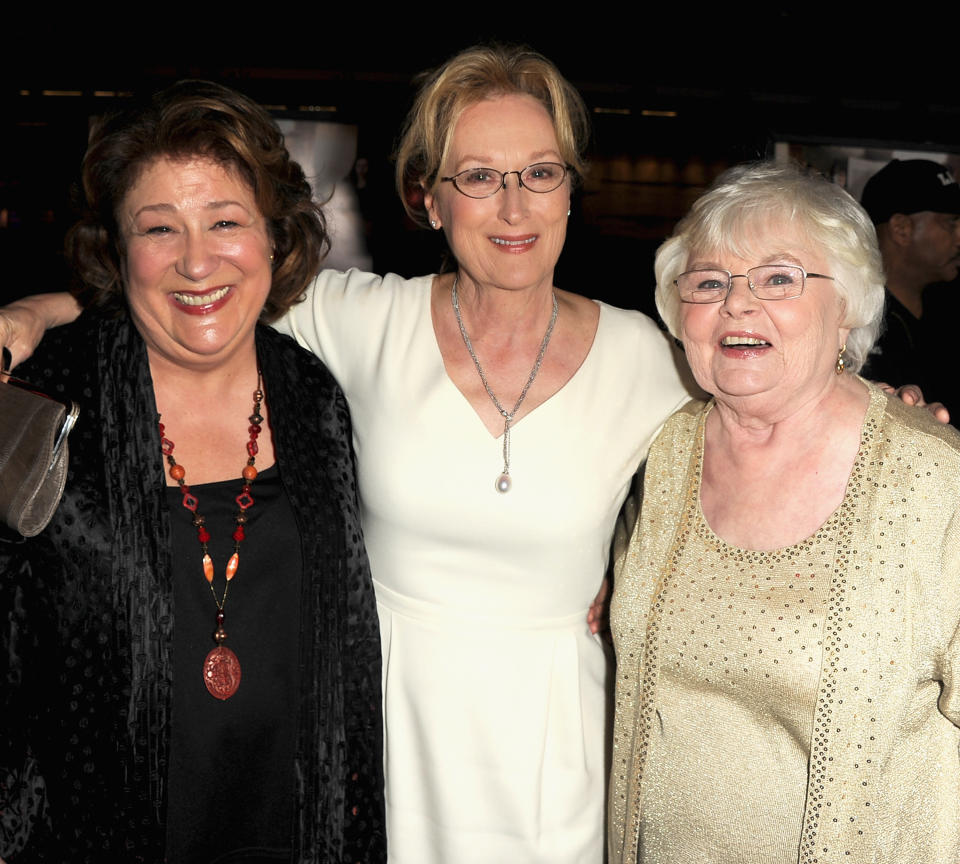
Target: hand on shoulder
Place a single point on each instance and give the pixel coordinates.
(23, 322)
(911, 394)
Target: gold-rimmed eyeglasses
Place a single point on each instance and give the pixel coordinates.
(483, 182)
(766, 282)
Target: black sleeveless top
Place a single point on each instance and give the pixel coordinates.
(231, 775)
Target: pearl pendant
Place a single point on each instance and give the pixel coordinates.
(503, 483)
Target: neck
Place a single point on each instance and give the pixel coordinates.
(902, 280)
(908, 292)
(757, 421)
(203, 387)
(499, 313)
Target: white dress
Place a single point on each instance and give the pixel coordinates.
(495, 700)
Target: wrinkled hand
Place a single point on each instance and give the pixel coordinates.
(911, 394)
(598, 615)
(22, 323)
(21, 330)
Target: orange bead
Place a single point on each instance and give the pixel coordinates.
(177, 472)
(232, 565)
(208, 568)
(249, 473)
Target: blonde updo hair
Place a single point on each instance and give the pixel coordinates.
(748, 197)
(475, 74)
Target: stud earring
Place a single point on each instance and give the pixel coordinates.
(433, 224)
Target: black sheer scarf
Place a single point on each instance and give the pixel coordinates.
(91, 614)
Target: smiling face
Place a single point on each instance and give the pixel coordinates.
(197, 260)
(512, 239)
(775, 350)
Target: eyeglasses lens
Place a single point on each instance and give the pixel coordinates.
(768, 282)
(484, 182)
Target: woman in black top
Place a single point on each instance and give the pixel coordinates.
(148, 712)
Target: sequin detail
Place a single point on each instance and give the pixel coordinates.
(886, 690)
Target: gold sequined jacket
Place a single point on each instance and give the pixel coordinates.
(884, 768)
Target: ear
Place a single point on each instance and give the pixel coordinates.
(842, 332)
(900, 229)
(430, 205)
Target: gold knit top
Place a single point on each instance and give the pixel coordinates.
(800, 704)
(741, 649)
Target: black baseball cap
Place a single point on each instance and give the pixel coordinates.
(910, 186)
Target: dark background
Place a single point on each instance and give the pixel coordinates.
(676, 96)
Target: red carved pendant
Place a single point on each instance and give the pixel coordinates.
(221, 672)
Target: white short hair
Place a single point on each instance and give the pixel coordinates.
(752, 195)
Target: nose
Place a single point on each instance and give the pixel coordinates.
(513, 199)
(519, 174)
(199, 258)
(739, 299)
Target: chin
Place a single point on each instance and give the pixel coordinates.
(738, 385)
(209, 345)
(519, 277)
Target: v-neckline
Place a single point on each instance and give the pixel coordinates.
(552, 397)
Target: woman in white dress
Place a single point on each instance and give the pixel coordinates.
(488, 530)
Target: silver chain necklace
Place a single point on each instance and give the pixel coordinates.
(503, 481)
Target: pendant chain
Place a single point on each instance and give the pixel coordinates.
(221, 667)
(504, 482)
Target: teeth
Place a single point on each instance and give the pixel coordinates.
(743, 340)
(501, 242)
(202, 299)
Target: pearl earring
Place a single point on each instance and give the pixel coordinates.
(841, 363)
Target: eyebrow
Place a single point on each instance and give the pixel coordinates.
(775, 258)
(784, 257)
(169, 208)
(484, 161)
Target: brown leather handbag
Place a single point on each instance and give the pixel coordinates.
(33, 453)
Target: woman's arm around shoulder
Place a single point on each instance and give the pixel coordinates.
(23, 322)
(345, 314)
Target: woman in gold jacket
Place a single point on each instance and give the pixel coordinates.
(786, 615)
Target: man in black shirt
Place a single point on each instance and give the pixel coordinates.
(915, 205)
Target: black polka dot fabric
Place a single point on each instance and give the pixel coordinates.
(86, 620)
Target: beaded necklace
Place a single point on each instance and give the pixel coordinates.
(221, 668)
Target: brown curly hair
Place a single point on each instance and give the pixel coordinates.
(184, 121)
